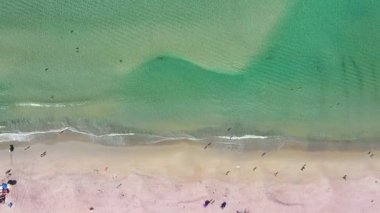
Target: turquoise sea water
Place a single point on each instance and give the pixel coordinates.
(296, 69)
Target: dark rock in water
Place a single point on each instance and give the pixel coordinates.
(11, 148)
(91, 208)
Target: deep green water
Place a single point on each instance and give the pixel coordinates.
(302, 69)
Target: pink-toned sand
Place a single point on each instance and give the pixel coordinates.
(74, 176)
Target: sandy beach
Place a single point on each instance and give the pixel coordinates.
(182, 176)
(254, 106)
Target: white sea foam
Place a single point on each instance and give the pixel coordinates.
(24, 136)
(243, 137)
(28, 136)
(162, 139)
(15, 137)
(94, 135)
(33, 104)
(117, 134)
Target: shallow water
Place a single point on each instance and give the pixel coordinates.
(295, 69)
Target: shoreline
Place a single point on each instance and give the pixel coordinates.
(246, 143)
(181, 176)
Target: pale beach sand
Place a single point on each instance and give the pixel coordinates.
(181, 176)
(109, 106)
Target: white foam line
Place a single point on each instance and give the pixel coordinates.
(174, 138)
(117, 134)
(97, 136)
(27, 136)
(23, 136)
(40, 105)
(243, 137)
(32, 104)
